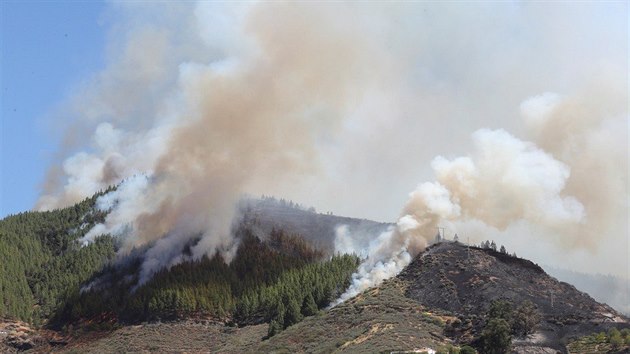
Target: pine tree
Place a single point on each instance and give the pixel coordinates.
(293, 312)
(274, 328)
(279, 314)
(309, 307)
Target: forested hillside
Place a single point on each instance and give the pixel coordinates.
(47, 276)
(281, 279)
(41, 260)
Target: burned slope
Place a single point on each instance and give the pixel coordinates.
(465, 281)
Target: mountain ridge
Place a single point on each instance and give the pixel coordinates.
(441, 300)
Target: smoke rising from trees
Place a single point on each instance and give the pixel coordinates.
(343, 106)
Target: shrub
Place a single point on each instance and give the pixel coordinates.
(501, 309)
(614, 338)
(600, 337)
(616, 341)
(467, 350)
(525, 319)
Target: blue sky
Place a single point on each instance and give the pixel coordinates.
(47, 49)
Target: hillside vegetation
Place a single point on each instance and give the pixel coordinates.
(41, 260)
(614, 341)
(47, 277)
(273, 295)
(379, 320)
(281, 280)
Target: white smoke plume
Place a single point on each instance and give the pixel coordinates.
(505, 181)
(342, 106)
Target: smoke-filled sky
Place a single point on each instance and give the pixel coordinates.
(496, 120)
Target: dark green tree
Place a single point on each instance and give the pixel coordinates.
(309, 307)
(496, 337)
(293, 312)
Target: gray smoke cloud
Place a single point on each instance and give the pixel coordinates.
(344, 106)
(249, 120)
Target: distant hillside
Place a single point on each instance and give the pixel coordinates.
(608, 289)
(318, 228)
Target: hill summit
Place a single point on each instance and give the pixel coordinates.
(465, 281)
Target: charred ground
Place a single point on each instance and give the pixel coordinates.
(465, 281)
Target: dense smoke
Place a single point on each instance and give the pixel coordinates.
(506, 181)
(245, 121)
(342, 106)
